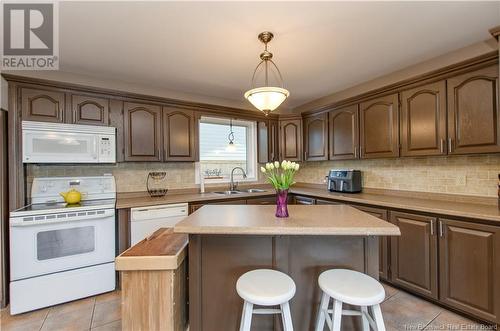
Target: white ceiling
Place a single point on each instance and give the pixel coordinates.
(211, 48)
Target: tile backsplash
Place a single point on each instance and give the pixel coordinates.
(469, 175)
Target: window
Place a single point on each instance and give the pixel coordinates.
(216, 159)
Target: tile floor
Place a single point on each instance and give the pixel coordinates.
(402, 311)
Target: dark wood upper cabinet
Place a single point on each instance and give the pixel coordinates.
(384, 244)
(423, 120)
(379, 127)
(414, 253)
(470, 268)
(179, 129)
(90, 110)
(274, 140)
(142, 132)
(344, 133)
(316, 137)
(473, 118)
(291, 140)
(43, 105)
(263, 141)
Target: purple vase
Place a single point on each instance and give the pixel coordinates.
(281, 203)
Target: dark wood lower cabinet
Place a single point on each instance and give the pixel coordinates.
(414, 254)
(469, 256)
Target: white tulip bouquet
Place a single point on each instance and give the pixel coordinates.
(280, 175)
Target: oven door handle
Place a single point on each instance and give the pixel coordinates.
(70, 217)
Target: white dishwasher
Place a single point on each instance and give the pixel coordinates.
(146, 220)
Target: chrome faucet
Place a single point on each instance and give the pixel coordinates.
(233, 185)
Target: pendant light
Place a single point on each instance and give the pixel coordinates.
(266, 98)
(231, 147)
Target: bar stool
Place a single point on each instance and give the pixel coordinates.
(265, 287)
(354, 288)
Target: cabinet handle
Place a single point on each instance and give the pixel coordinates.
(355, 152)
(432, 227)
(450, 145)
(440, 228)
(442, 146)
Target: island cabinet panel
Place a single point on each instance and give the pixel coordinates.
(316, 137)
(179, 130)
(470, 268)
(90, 110)
(217, 261)
(473, 116)
(414, 253)
(291, 140)
(384, 242)
(423, 120)
(379, 127)
(142, 132)
(344, 133)
(43, 105)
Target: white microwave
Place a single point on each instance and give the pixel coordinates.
(67, 143)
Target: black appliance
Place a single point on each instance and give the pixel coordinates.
(348, 181)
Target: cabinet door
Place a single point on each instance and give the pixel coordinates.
(414, 253)
(291, 140)
(142, 131)
(316, 137)
(470, 268)
(327, 202)
(42, 105)
(262, 201)
(89, 110)
(344, 133)
(263, 141)
(473, 118)
(179, 129)
(384, 245)
(273, 140)
(423, 120)
(304, 200)
(379, 131)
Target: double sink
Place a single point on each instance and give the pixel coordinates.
(251, 190)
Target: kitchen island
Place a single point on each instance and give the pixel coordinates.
(227, 241)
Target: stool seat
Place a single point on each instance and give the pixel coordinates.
(265, 287)
(351, 287)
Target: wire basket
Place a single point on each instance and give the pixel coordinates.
(156, 183)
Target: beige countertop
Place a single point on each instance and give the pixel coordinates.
(341, 220)
(144, 201)
(423, 203)
(489, 212)
(163, 250)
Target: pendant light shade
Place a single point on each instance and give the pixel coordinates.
(266, 98)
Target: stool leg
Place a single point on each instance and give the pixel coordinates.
(323, 307)
(377, 314)
(246, 316)
(287, 317)
(364, 320)
(337, 314)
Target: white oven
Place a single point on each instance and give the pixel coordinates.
(67, 143)
(61, 252)
(43, 244)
